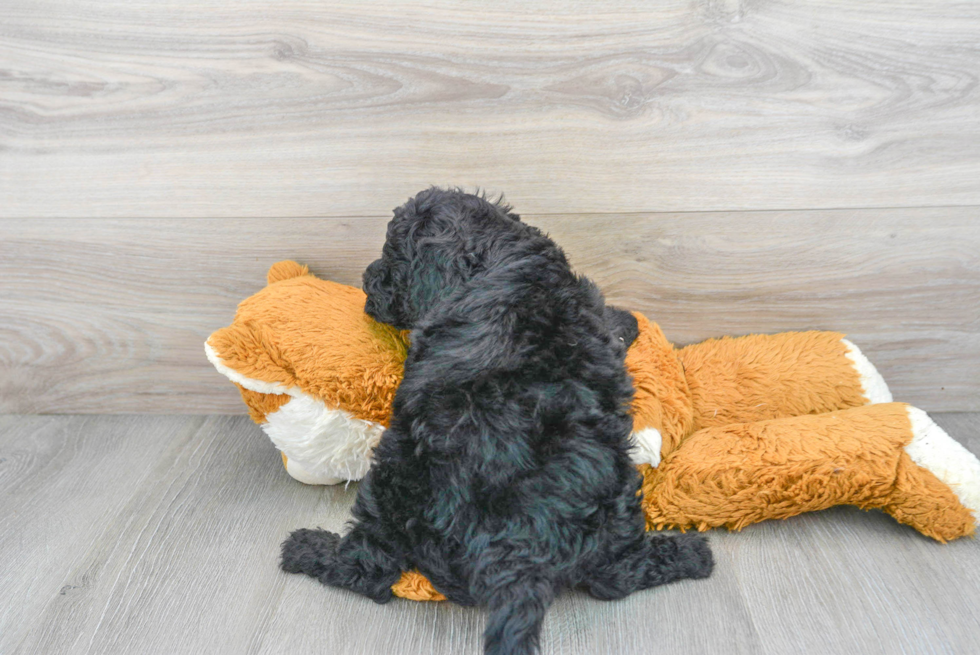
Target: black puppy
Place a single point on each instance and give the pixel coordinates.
(505, 473)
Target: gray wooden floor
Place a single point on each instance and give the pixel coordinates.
(140, 534)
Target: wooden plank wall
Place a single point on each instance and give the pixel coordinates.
(110, 315)
(726, 167)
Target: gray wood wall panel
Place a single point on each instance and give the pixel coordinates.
(110, 315)
(168, 108)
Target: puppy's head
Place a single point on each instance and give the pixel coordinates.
(436, 242)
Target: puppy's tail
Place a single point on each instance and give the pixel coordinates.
(517, 608)
(309, 551)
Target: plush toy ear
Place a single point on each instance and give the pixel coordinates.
(286, 270)
(244, 353)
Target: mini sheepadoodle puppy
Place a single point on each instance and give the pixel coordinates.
(505, 473)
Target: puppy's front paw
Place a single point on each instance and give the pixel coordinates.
(694, 556)
(309, 551)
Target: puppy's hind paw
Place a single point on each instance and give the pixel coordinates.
(694, 556)
(309, 551)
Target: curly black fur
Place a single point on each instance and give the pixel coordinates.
(505, 473)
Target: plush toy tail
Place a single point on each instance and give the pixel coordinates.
(887, 456)
(760, 377)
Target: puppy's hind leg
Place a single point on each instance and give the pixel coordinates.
(356, 562)
(675, 557)
(309, 551)
(656, 560)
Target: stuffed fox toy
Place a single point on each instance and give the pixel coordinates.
(727, 432)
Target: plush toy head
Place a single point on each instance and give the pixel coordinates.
(316, 372)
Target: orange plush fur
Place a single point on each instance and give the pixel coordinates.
(744, 429)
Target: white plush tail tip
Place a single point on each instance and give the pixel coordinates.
(872, 384)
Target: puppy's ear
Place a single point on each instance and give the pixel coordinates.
(622, 324)
(441, 261)
(381, 304)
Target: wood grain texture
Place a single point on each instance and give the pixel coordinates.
(62, 481)
(161, 534)
(337, 108)
(111, 315)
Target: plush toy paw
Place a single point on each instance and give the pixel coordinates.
(933, 449)
(646, 447)
(300, 473)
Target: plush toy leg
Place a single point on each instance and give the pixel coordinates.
(888, 456)
(760, 377)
